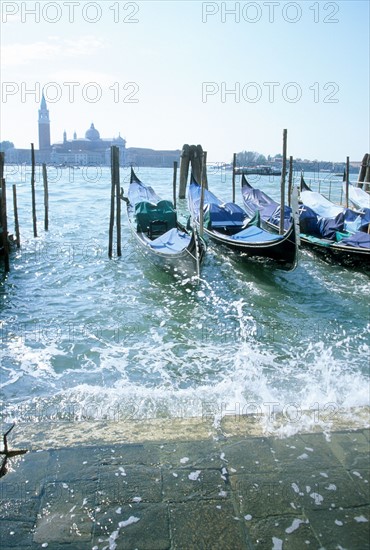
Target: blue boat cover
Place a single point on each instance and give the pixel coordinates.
(256, 235)
(309, 221)
(359, 239)
(172, 241)
(275, 216)
(329, 227)
(255, 199)
(216, 212)
(223, 215)
(346, 222)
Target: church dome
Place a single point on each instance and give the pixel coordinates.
(92, 133)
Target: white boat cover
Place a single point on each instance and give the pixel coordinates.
(358, 197)
(320, 205)
(171, 242)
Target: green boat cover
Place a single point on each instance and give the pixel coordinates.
(146, 213)
(316, 240)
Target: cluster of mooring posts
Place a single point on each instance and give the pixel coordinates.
(7, 240)
(192, 156)
(364, 173)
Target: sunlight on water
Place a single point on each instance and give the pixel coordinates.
(85, 337)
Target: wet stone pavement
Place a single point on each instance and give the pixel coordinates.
(212, 491)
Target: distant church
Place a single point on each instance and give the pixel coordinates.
(90, 150)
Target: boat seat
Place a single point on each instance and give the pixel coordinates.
(157, 227)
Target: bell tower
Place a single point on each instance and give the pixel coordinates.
(44, 126)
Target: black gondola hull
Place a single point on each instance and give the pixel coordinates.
(280, 249)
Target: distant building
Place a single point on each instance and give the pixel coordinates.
(44, 126)
(88, 150)
(91, 149)
(149, 157)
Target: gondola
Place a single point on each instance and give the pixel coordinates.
(333, 232)
(159, 234)
(229, 225)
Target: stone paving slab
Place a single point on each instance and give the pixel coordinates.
(215, 490)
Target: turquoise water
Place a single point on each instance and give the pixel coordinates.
(86, 337)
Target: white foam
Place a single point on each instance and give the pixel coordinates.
(129, 521)
(360, 519)
(295, 525)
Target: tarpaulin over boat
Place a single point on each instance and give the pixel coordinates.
(328, 227)
(358, 197)
(223, 215)
(359, 239)
(309, 221)
(319, 204)
(172, 241)
(147, 213)
(275, 216)
(355, 221)
(255, 199)
(256, 235)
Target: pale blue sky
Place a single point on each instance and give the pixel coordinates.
(316, 53)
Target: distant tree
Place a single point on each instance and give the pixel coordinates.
(5, 145)
(261, 159)
(244, 158)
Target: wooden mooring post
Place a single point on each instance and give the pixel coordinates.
(282, 184)
(201, 202)
(174, 183)
(4, 224)
(118, 198)
(34, 221)
(233, 178)
(16, 222)
(115, 198)
(46, 197)
(347, 181)
(204, 169)
(362, 173)
(290, 181)
(366, 185)
(4, 219)
(184, 170)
